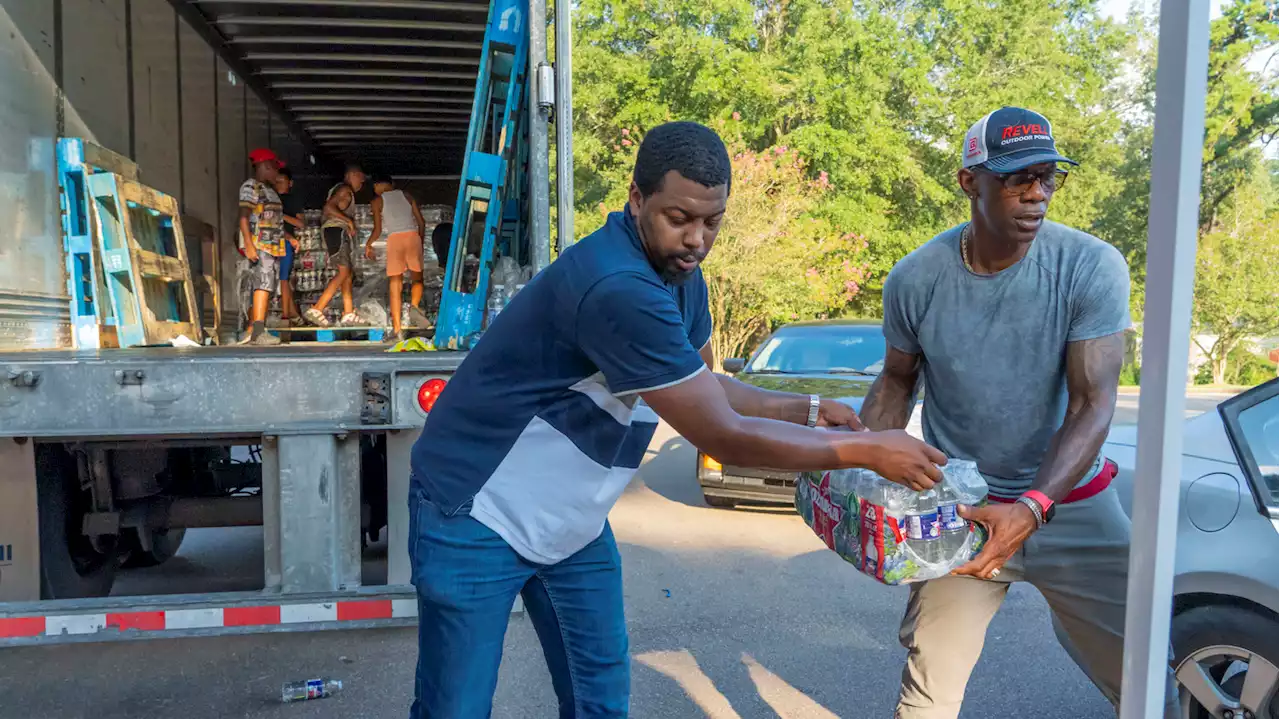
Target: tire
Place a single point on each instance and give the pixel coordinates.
(164, 545)
(70, 566)
(1224, 641)
(720, 502)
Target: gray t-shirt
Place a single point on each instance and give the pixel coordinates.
(994, 346)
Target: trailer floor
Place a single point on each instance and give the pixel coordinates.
(731, 613)
(291, 350)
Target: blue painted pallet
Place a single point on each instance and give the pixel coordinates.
(334, 334)
(78, 245)
(144, 261)
(493, 147)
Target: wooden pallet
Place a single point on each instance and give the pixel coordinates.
(144, 261)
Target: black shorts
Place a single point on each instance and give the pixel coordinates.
(338, 245)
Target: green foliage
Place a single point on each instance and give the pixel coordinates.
(1130, 375)
(775, 261)
(871, 101)
(1244, 368)
(1237, 273)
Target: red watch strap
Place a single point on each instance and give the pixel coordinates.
(1041, 499)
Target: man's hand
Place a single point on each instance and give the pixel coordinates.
(251, 253)
(368, 251)
(1008, 526)
(296, 244)
(906, 460)
(838, 414)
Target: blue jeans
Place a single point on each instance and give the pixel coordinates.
(468, 578)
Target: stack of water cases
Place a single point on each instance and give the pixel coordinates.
(310, 258)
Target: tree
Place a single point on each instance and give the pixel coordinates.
(1237, 278)
(774, 261)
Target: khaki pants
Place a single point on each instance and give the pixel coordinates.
(1079, 562)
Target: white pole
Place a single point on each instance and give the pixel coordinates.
(1181, 69)
(564, 123)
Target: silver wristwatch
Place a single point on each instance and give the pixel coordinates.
(814, 403)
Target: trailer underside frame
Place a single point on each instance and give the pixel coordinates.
(306, 406)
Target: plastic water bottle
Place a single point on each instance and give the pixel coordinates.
(309, 689)
(924, 531)
(497, 300)
(961, 484)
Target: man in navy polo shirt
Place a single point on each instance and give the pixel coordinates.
(542, 427)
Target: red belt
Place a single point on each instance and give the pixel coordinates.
(1093, 487)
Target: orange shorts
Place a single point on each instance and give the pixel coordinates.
(404, 252)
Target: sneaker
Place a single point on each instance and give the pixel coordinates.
(315, 317)
(351, 319)
(297, 322)
(415, 318)
(266, 339)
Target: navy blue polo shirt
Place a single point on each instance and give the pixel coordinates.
(541, 428)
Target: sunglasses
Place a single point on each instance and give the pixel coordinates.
(1017, 183)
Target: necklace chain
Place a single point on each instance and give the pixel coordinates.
(964, 247)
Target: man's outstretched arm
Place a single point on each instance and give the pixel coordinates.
(888, 404)
(782, 406)
(699, 410)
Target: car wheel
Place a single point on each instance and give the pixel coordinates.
(720, 502)
(1226, 663)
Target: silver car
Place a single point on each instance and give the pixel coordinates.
(1226, 586)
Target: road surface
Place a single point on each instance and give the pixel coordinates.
(731, 613)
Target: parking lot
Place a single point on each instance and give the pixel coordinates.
(732, 614)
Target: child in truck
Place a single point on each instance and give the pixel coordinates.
(398, 213)
(338, 228)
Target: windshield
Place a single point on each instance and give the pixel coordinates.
(854, 349)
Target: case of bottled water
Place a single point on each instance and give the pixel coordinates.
(890, 532)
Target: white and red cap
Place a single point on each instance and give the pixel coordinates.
(1011, 139)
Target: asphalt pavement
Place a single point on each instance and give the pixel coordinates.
(732, 613)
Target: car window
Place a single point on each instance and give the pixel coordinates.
(1260, 431)
(833, 348)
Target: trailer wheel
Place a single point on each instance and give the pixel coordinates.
(70, 565)
(164, 545)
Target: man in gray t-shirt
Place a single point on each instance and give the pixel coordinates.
(1015, 327)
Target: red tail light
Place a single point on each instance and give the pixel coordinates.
(429, 392)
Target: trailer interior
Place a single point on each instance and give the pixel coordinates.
(112, 454)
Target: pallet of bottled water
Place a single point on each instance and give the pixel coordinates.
(890, 532)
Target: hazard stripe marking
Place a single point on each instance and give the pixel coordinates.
(76, 624)
(22, 627)
(401, 608)
(372, 609)
(250, 616)
(193, 618)
(299, 613)
(137, 621)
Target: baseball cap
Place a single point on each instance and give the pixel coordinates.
(1011, 139)
(262, 154)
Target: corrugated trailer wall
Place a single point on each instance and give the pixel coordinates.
(132, 76)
